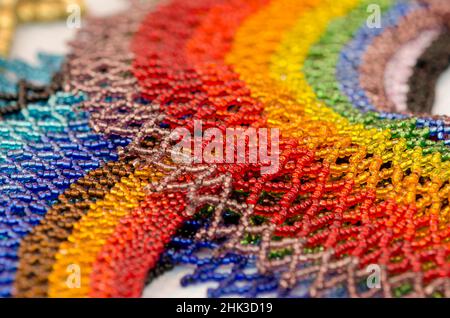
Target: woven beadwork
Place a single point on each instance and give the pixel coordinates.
(363, 175)
(44, 148)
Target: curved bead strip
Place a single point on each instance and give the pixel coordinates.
(331, 241)
(227, 19)
(353, 56)
(140, 259)
(90, 233)
(405, 29)
(426, 74)
(337, 181)
(298, 84)
(181, 60)
(13, 70)
(110, 247)
(381, 46)
(135, 247)
(217, 232)
(57, 286)
(410, 128)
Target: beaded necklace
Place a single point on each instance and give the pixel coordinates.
(16, 12)
(111, 95)
(350, 191)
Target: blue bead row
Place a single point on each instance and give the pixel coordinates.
(44, 149)
(347, 71)
(233, 273)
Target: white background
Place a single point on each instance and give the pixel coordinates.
(52, 37)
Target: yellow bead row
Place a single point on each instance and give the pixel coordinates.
(15, 12)
(92, 231)
(45, 10)
(271, 60)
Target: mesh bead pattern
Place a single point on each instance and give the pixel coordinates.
(44, 148)
(363, 173)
